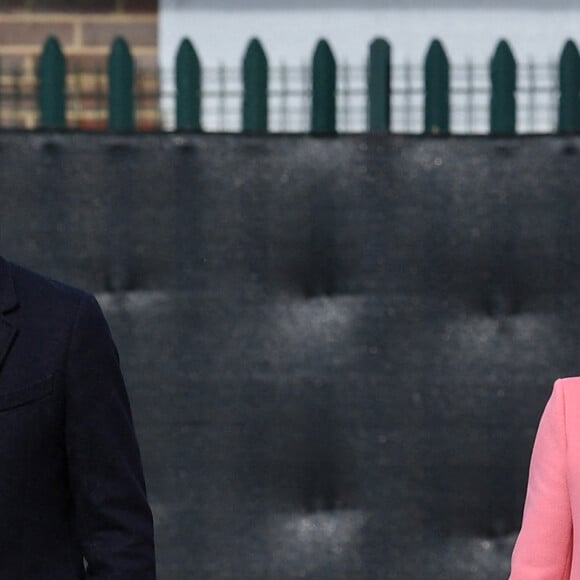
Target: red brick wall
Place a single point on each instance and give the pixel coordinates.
(86, 35)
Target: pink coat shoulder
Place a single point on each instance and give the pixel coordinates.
(570, 387)
(570, 381)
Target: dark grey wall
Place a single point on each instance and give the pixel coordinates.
(337, 349)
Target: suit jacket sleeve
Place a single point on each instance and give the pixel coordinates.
(112, 517)
(544, 545)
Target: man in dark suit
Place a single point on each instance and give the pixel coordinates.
(71, 478)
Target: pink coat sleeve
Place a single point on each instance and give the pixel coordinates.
(543, 548)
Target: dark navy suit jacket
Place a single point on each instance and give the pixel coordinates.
(71, 478)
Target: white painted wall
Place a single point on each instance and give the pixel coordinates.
(290, 37)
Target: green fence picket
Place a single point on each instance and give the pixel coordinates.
(255, 99)
(379, 86)
(503, 86)
(569, 105)
(323, 90)
(16, 97)
(188, 87)
(121, 107)
(436, 89)
(52, 83)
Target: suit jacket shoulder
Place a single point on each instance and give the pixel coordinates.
(29, 283)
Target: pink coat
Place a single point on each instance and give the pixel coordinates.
(551, 518)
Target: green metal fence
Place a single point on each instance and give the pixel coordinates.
(319, 94)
